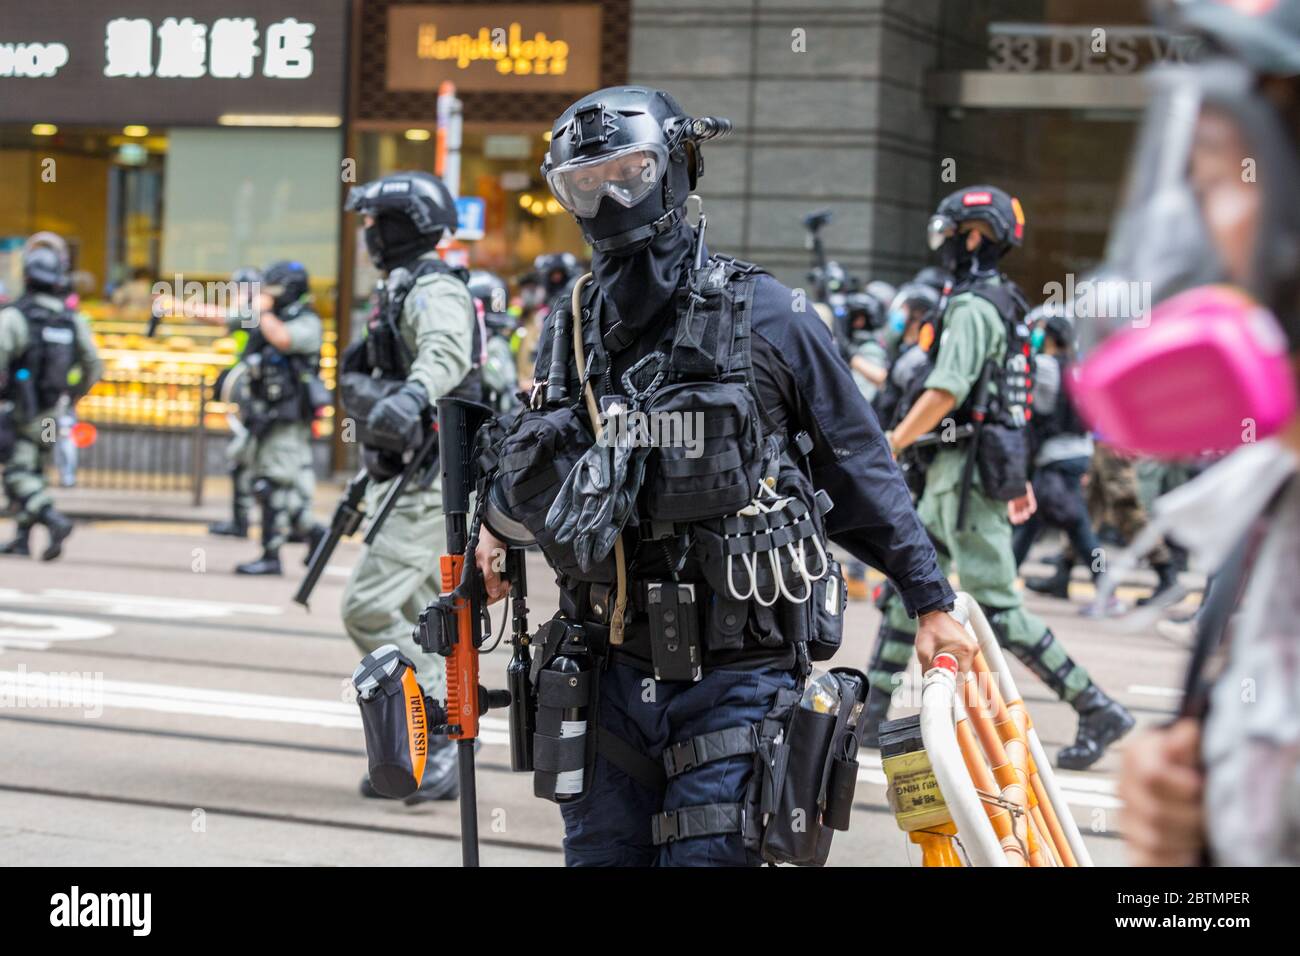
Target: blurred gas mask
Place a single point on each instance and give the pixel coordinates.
(1177, 362)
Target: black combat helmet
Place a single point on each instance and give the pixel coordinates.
(286, 282)
(995, 208)
(46, 263)
(412, 213)
(623, 160)
(492, 293)
(555, 269)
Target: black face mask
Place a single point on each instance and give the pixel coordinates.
(642, 285)
(961, 262)
(394, 241)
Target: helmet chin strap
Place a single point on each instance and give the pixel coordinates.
(629, 241)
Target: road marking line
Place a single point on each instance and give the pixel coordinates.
(138, 605)
(39, 631)
(73, 690)
(1148, 690)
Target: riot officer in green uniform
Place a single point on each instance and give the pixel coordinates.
(423, 342)
(41, 342)
(282, 358)
(977, 398)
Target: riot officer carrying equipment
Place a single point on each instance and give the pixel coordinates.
(979, 346)
(408, 214)
(52, 341)
(697, 561)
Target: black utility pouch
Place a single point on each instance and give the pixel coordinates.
(816, 793)
(1003, 461)
(826, 610)
(843, 774)
(708, 454)
(564, 744)
(674, 619)
(793, 832)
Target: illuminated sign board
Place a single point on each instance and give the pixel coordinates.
(490, 47)
(181, 62)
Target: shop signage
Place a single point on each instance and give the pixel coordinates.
(182, 62)
(490, 47)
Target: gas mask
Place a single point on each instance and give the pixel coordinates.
(1177, 361)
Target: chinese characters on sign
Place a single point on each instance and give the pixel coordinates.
(187, 49)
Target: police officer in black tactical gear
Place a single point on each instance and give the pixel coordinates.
(695, 582)
(42, 342)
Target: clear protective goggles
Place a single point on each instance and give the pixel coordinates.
(1211, 160)
(939, 231)
(626, 176)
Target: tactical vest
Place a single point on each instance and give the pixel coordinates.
(694, 522)
(385, 350)
(40, 376)
(278, 384)
(1011, 395)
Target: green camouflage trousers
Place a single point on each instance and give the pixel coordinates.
(282, 468)
(398, 577)
(24, 474)
(982, 558)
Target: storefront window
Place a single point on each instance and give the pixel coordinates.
(499, 164)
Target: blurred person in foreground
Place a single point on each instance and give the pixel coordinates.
(1211, 228)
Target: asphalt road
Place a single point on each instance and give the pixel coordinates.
(156, 709)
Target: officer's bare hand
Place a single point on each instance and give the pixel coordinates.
(1162, 788)
(490, 556)
(1021, 509)
(939, 632)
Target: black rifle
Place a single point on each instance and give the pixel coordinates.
(453, 625)
(347, 519)
(979, 412)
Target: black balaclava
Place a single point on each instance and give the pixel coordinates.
(394, 241)
(641, 285)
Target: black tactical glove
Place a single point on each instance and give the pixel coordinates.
(596, 499)
(396, 419)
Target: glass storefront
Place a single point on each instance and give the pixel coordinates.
(500, 164)
(135, 206)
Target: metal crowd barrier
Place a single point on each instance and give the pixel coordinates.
(151, 433)
(981, 785)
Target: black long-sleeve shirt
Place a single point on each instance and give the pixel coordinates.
(805, 385)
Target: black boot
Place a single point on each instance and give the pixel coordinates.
(1102, 721)
(314, 537)
(59, 527)
(21, 545)
(1055, 585)
(268, 563)
(1168, 590)
(237, 527)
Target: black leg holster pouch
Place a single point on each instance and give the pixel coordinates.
(566, 677)
(803, 786)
